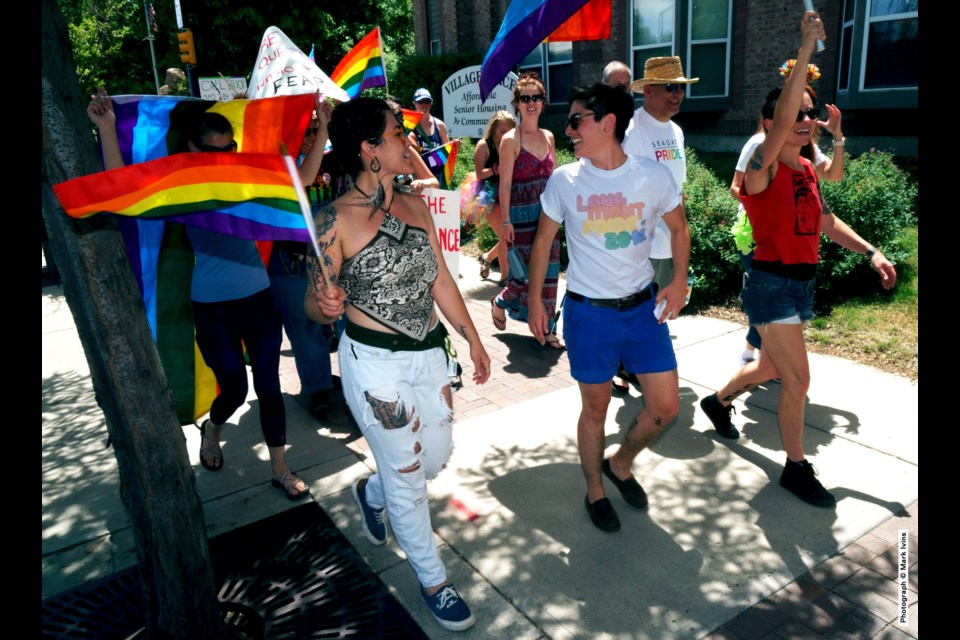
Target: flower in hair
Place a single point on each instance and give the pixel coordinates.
(813, 71)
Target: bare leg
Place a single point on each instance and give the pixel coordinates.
(590, 437)
(661, 395)
(784, 348)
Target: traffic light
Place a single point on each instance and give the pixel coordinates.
(188, 54)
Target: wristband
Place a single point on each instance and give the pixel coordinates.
(870, 251)
(840, 142)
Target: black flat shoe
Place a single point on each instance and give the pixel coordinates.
(602, 514)
(633, 494)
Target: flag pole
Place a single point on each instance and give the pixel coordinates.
(383, 59)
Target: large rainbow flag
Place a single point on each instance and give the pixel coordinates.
(248, 195)
(446, 157)
(151, 127)
(526, 24)
(362, 67)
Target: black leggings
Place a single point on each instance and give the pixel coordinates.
(223, 329)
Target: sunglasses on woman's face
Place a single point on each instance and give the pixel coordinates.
(812, 113)
(574, 120)
(525, 99)
(209, 148)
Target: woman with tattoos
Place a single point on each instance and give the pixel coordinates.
(383, 269)
(782, 198)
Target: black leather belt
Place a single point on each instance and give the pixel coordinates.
(620, 304)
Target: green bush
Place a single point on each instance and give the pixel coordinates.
(711, 211)
(878, 200)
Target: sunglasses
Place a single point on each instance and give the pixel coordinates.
(574, 121)
(673, 87)
(209, 148)
(539, 97)
(396, 133)
(311, 131)
(813, 113)
(426, 101)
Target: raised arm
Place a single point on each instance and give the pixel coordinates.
(100, 112)
(759, 174)
(832, 169)
(310, 166)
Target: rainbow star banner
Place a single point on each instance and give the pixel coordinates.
(526, 24)
(362, 68)
(152, 127)
(446, 157)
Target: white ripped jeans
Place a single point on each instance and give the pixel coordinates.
(397, 399)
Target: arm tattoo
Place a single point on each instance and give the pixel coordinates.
(325, 222)
(463, 330)
(756, 160)
(824, 207)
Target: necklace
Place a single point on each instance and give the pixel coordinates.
(378, 196)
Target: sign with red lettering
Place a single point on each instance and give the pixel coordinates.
(282, 69)
(445, 208)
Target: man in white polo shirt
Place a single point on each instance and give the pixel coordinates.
(652, 134)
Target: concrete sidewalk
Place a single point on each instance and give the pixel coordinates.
(723, 549)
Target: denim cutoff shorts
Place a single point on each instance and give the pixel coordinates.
(769, 298)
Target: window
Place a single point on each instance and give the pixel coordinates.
(554, 62)
(433, 27)
(879, 54)
(699, 31)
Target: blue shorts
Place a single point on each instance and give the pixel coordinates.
(598, 339)
(769, 298)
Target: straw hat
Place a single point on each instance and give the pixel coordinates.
(662, 71)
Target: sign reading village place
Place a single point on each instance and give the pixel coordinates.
(463, 112)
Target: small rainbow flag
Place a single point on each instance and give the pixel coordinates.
(362, 67)
(411, 119)
(248, 195)
(446, 157)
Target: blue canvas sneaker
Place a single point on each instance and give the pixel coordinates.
(449, 609)
(374, 521)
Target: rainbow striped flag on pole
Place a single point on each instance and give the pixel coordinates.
(150, 128)
(362, 68)
(247, 195)
(446, 157)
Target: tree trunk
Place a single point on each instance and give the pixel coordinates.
(157, 482)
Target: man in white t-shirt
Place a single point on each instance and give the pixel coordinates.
(611, 203)
(652, 134)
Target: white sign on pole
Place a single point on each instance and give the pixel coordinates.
(223, 89)
(282, 69)
(463, 112)
(445, 207)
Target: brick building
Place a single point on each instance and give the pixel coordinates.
(870, 67)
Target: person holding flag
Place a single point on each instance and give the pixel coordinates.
(381, 255)
(430, 132)
(232, 306)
